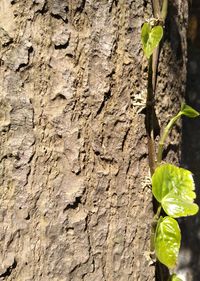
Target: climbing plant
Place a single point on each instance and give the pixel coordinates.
(172, 187)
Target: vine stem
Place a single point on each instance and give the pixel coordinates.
(160, 12)
(156, 8)
(153, 227)
(164, 10)
(164, 136)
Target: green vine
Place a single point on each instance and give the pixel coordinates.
(172, 187)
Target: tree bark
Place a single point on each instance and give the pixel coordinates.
(75, 204)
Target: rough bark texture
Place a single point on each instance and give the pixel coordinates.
(74, 200)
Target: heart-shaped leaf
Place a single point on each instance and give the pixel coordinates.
(188, 111)
(151, 37)
(174, 188)
(167, 241)
(177, 207)
(170, 178)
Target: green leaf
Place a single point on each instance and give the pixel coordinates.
(177, 207)
(146, 29)
(188, 111)
(150, 38)
(174, 188)
(174, 277)
(168, 178)
(167, 241)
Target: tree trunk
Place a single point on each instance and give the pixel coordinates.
(74, 200)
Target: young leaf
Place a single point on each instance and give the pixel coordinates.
(167, 241)
(177, 207)
(146, 29)
(188, 111)
(174, 188)
(168, 178)
(174, 277)
(150, 38)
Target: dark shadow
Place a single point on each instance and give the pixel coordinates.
(172, 32)
(190, 226)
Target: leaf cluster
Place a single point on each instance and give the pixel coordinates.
(173, 188)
